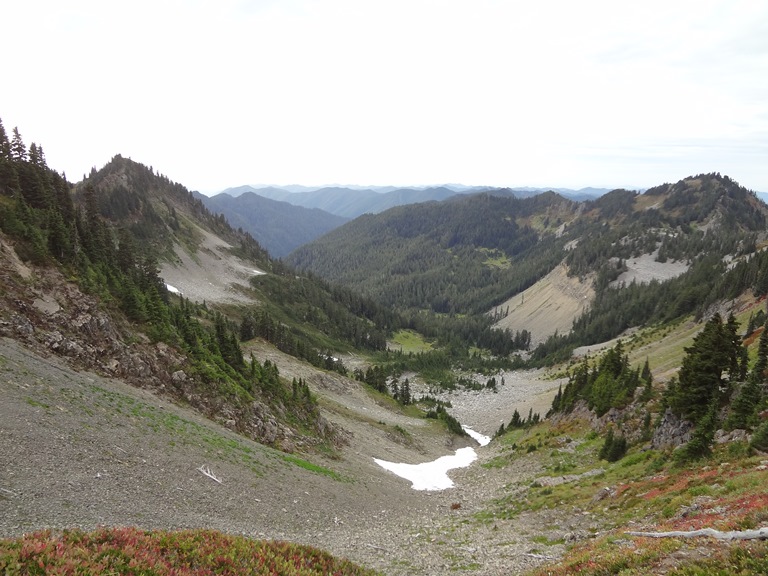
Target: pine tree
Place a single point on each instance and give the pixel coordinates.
(700, 444)
(5, 144)
(9, 178)
(126, 252)
(405, 392)
(761, 364)
(18, 150)
(607, 443)
(714, 352)
(60, 244)
(744, 405)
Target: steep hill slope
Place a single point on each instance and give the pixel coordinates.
(548, 307)
(278, 226)
(92, 288)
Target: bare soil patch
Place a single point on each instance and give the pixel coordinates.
(549, 306)
(645, 268)
(211, 273)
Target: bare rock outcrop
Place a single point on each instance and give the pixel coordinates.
(672, 432)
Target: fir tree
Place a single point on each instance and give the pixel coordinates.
(18, 150)
(714, 352)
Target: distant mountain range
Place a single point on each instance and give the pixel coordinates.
(278, 226)
(284, 218)
(353, 201)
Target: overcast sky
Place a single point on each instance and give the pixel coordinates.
(415, 92)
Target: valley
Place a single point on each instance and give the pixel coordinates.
(159, 369)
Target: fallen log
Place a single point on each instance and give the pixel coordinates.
(759, 534)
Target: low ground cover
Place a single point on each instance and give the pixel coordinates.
(149, 553)
(646, 491)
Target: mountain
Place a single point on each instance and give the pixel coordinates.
(452, 256)
(582, 194)
(278, 226)
(479, 252)
(137, 271)
(353, 201)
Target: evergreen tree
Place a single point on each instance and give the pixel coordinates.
(613, 448)
(714, 352)
(760, 438)
(60, 244)
(5, 144)
(405, 392)
(761, 364)
(18, 150)
(126, 252)
(744, 405)
(700, 444)
(248, 328)
(9, 178)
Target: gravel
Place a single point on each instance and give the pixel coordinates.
(80, 450)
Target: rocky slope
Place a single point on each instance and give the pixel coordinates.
(80, 449)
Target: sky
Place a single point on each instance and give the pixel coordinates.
(554, 93)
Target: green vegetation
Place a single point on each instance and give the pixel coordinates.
(410, 342)
(301, 463)
(724, 491)
(159, 553)
(458, 256)
(610, 384)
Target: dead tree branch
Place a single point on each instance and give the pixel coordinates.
(205, 470)
(759, 534)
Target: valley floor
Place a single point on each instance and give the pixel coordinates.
(79, 450)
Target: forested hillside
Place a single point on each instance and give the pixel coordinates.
(458, 256)
(279, 227)
(469, 254)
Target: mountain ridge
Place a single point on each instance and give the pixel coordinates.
(280, 227)
(351, 202)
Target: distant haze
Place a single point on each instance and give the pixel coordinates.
(405, 92)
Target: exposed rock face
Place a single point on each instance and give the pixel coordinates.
(51, 315)
(671, 432)
(738, 435)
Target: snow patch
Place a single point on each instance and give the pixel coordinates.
(434, 475)
(431, 475)
(481, 439)
(172, 289)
